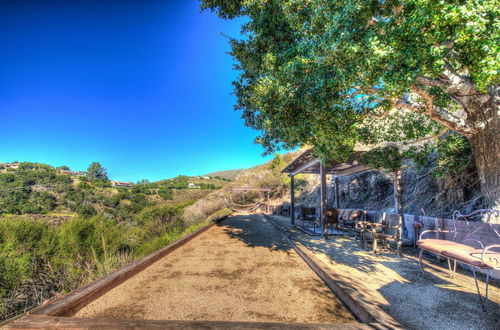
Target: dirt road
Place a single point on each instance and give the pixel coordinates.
(239, 270)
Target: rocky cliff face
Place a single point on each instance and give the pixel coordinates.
(422, 192)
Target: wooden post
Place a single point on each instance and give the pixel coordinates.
(336, 191)
(292, 199)
(322, 173)
(267, 201)
(397, 206)
(397, 191)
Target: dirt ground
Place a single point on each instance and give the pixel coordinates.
(417, 301)
(239, 270)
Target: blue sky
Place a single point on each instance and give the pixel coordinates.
(143, 87)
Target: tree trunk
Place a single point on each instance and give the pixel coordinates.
(486, 150)
(485, 145)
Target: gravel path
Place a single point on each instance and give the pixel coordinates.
(240, 270)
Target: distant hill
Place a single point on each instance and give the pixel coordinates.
(230, 174)
(38, 189)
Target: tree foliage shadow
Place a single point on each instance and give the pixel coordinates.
(434, 295)
(255, 231)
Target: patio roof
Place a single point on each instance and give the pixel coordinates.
(307, 163)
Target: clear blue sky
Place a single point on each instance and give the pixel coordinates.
(143, 87)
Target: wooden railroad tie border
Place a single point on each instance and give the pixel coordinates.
(51, 322)
(366, 312)
(72, 302)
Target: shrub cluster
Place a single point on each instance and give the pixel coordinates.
(74, 252)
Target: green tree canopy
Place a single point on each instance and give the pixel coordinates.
(333, 73)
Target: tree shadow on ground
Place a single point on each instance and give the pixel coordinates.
(427, 300)
(255, 231)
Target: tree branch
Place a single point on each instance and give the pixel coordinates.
(442, 116)
(437, 136)
(378, 116)
(430, 82)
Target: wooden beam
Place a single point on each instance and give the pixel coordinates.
(292, 198)
(54, 322)
(322, 173)
(305, 166)
(352, 170)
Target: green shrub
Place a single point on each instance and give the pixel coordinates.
(165, 193)
(21, 239)
(160, 219)
(85, 210)
(219, 215)
(101, 183)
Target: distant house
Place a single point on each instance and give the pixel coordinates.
(193, 186)
(121, 184)
(13, 165)
(205, 177)
(73, 173)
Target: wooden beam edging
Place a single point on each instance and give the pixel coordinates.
(75, 300)
(56, 322)
(378, 317)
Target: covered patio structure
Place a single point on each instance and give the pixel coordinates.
(307, 163)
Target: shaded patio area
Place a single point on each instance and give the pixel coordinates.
(397, 286)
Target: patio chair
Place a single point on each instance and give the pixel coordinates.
(391, 231)
(308, 215)
(348, 218)
(369, 217)
(285, 210)
(343, 218)
(332, 218)
(373, 228)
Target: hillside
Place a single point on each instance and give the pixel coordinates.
(267, 175)
(32, 188)
(229, 174)
(59, 231)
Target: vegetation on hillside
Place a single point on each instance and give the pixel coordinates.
(228, 175)
(58, 231)
(262, 176)
(42, 189)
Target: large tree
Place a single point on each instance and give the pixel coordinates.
(96, 172)
(333, 73)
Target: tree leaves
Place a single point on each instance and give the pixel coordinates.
(311, 69)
